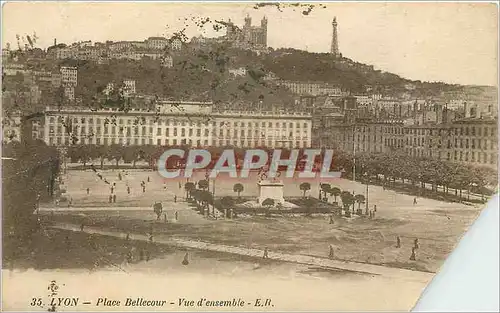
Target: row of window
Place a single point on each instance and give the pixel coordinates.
(183, 131)
(172, 122)
(468, 130)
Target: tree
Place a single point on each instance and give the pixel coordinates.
(103, 153)
(347, 200)
(227, 202)
(238, 188)
(335, 191)
(359, 199)
(29, 173)
(305, 187)
(268, 203)
(189, 186)
(325, 188)
(116, 152)
(203, 184)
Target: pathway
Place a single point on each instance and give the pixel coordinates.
(295, 258)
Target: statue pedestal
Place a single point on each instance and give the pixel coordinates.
(272, 190)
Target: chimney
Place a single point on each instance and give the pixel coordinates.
(466, 109)
(55, 42)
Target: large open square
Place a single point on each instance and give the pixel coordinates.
(437, 225)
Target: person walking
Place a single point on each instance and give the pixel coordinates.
(176, 215)
(266, 253)
(415, 243)
(414, 201)
(128, 189)
(413, 256)
(331, 253)
(175, 198)
(88, 190)
(331, 219)
(185, 261)
(398, 242)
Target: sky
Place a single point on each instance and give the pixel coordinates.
(449, 42)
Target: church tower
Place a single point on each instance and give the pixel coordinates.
(335, 45)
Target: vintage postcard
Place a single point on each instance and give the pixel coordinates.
(241, 156)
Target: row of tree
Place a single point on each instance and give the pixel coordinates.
(367, 166)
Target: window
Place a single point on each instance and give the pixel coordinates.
(158, 131)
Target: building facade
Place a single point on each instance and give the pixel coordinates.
(191, 123)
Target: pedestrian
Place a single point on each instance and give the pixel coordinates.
(185, 261)
(120, 176)
(143, 189)
(415, 201)
(110, 198)
(130, 256)
(175, 198)
(88, 190)
(128, 189)
(164, 186)
(331, 219)
(148, 179)
(398, 242)
(114, 184)
(375, 208)
(413, 256)
(331, 253)
(180, 185)
(266, 253)
(81, 227)
(68, 242)
(415, 243)
(176, 215)
(114, 198)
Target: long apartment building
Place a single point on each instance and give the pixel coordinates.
(471, 140)
(175, 123)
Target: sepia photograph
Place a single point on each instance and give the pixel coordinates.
(241, 156)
